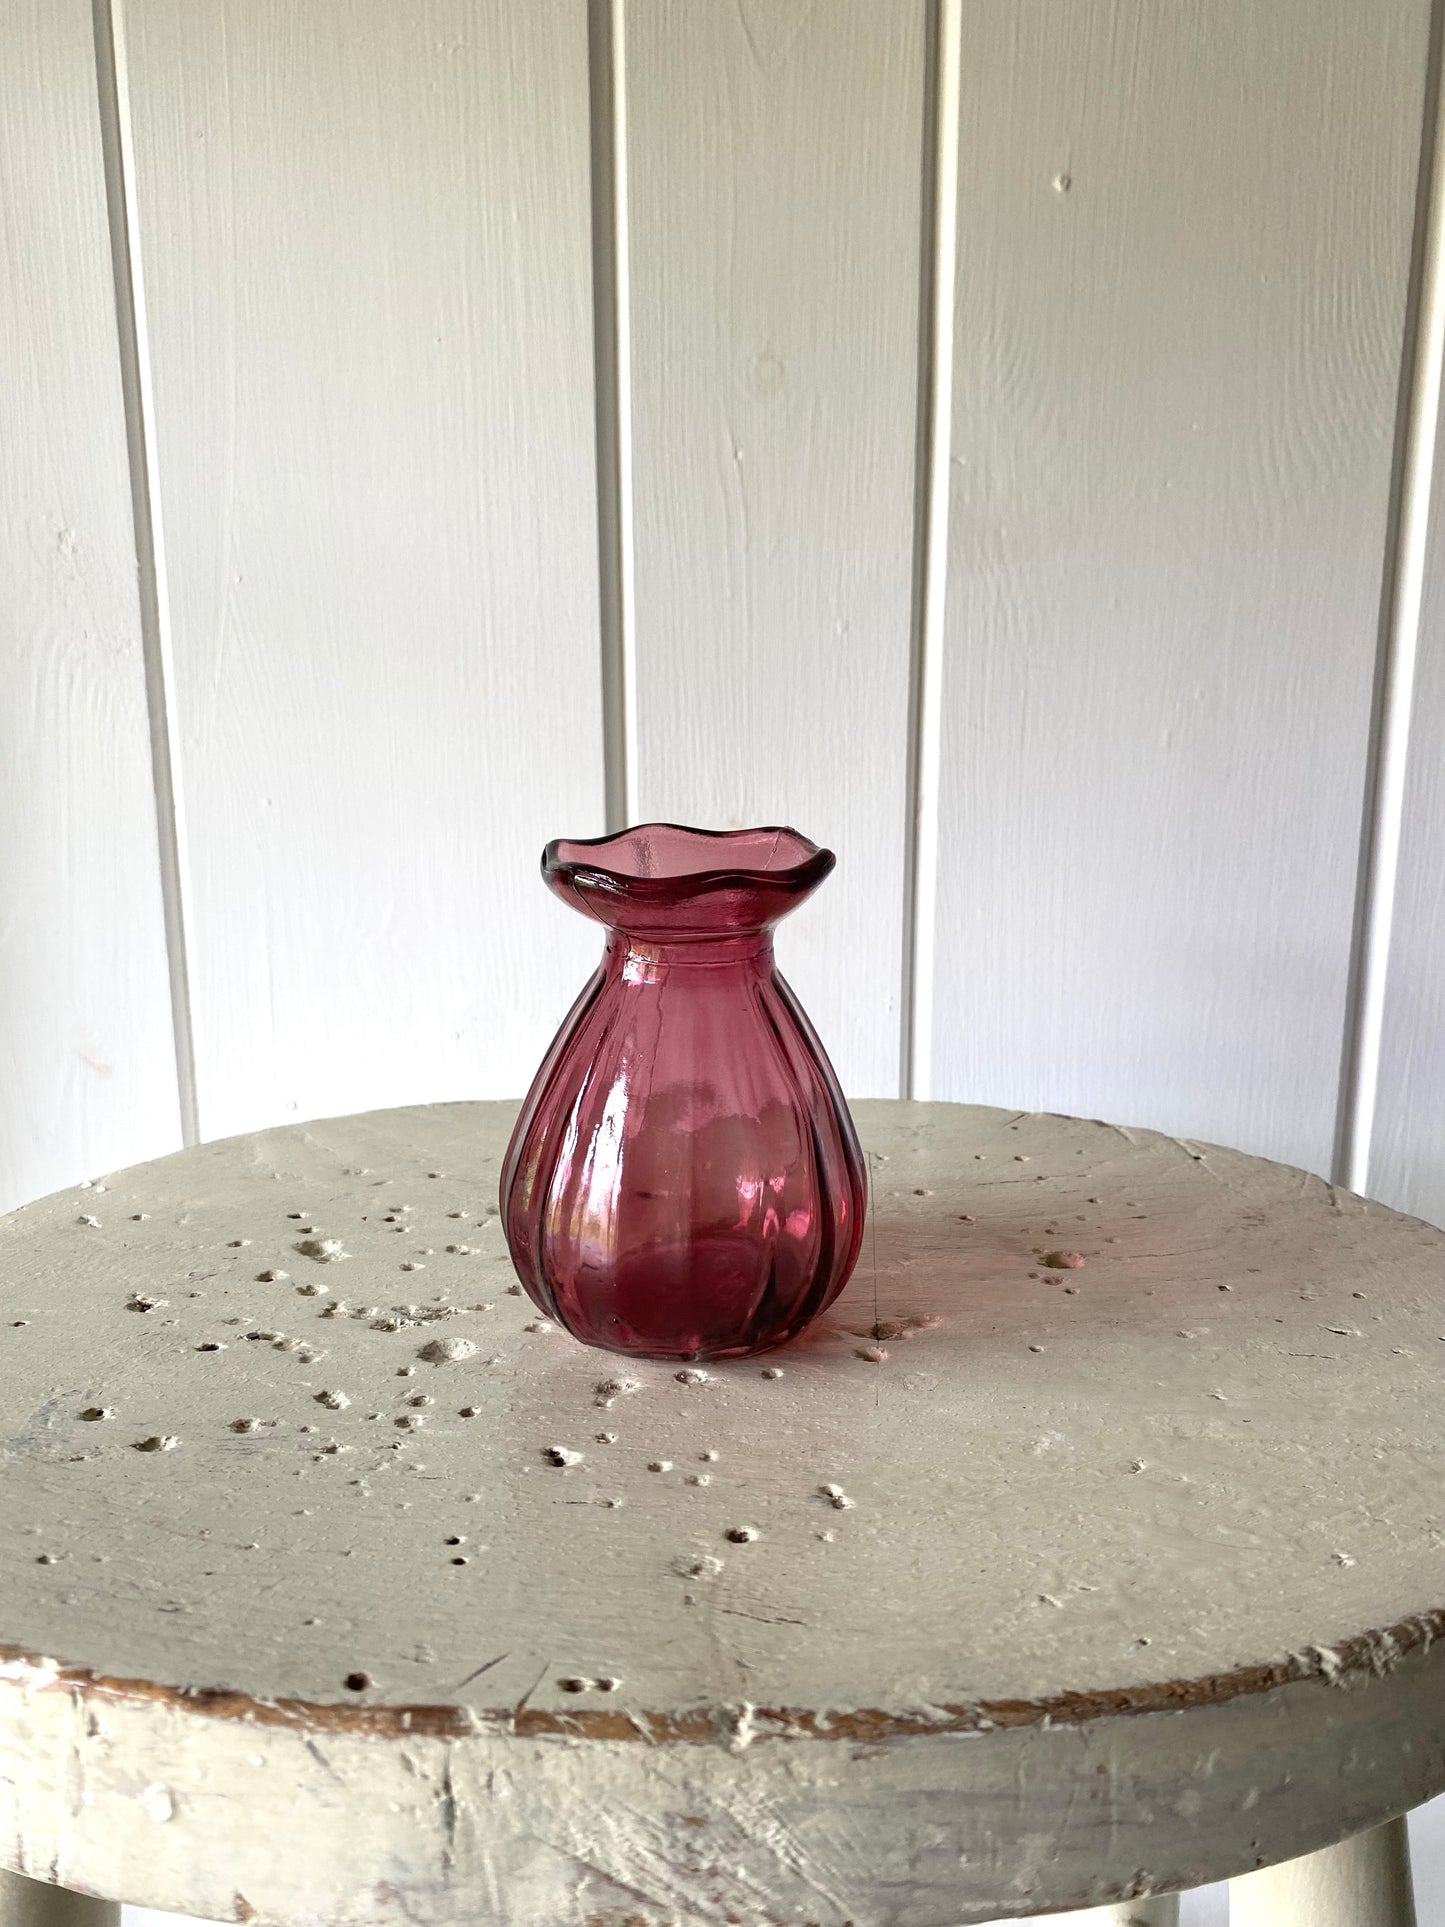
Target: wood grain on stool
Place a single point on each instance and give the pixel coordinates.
(1019, 1584)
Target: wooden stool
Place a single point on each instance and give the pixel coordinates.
(338, 1586)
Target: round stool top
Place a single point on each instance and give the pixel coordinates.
(1091, 1544)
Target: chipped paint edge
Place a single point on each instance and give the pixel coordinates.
(152, 1801)
(1345, 1663)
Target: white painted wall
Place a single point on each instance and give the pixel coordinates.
(996, 436)
(87, 1061)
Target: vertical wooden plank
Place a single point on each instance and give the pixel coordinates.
(1183, 254)
(366, 239)
(1411, 549)
(1396, 1108)
(774, 169)
(1407, 1160)
(86, 1056)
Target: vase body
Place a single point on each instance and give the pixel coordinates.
(684, 1180)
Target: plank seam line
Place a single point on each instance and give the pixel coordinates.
(612, 380)
(937, 263)
(133, 344)
(1402, 588)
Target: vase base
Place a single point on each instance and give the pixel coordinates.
(728, 1356)
(714, 1297)
(630, 1345)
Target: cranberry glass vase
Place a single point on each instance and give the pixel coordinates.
(684, 1180)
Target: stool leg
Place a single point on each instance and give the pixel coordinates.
(1160, 1910)
(1364, 1882)
(34, 1903)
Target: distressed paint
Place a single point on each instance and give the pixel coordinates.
(1136, 1587)
(234, 1823)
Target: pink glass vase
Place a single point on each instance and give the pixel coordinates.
(684, 1180)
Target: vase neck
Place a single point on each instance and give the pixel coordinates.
(638, 960)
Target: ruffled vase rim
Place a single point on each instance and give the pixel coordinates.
(614, 863)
